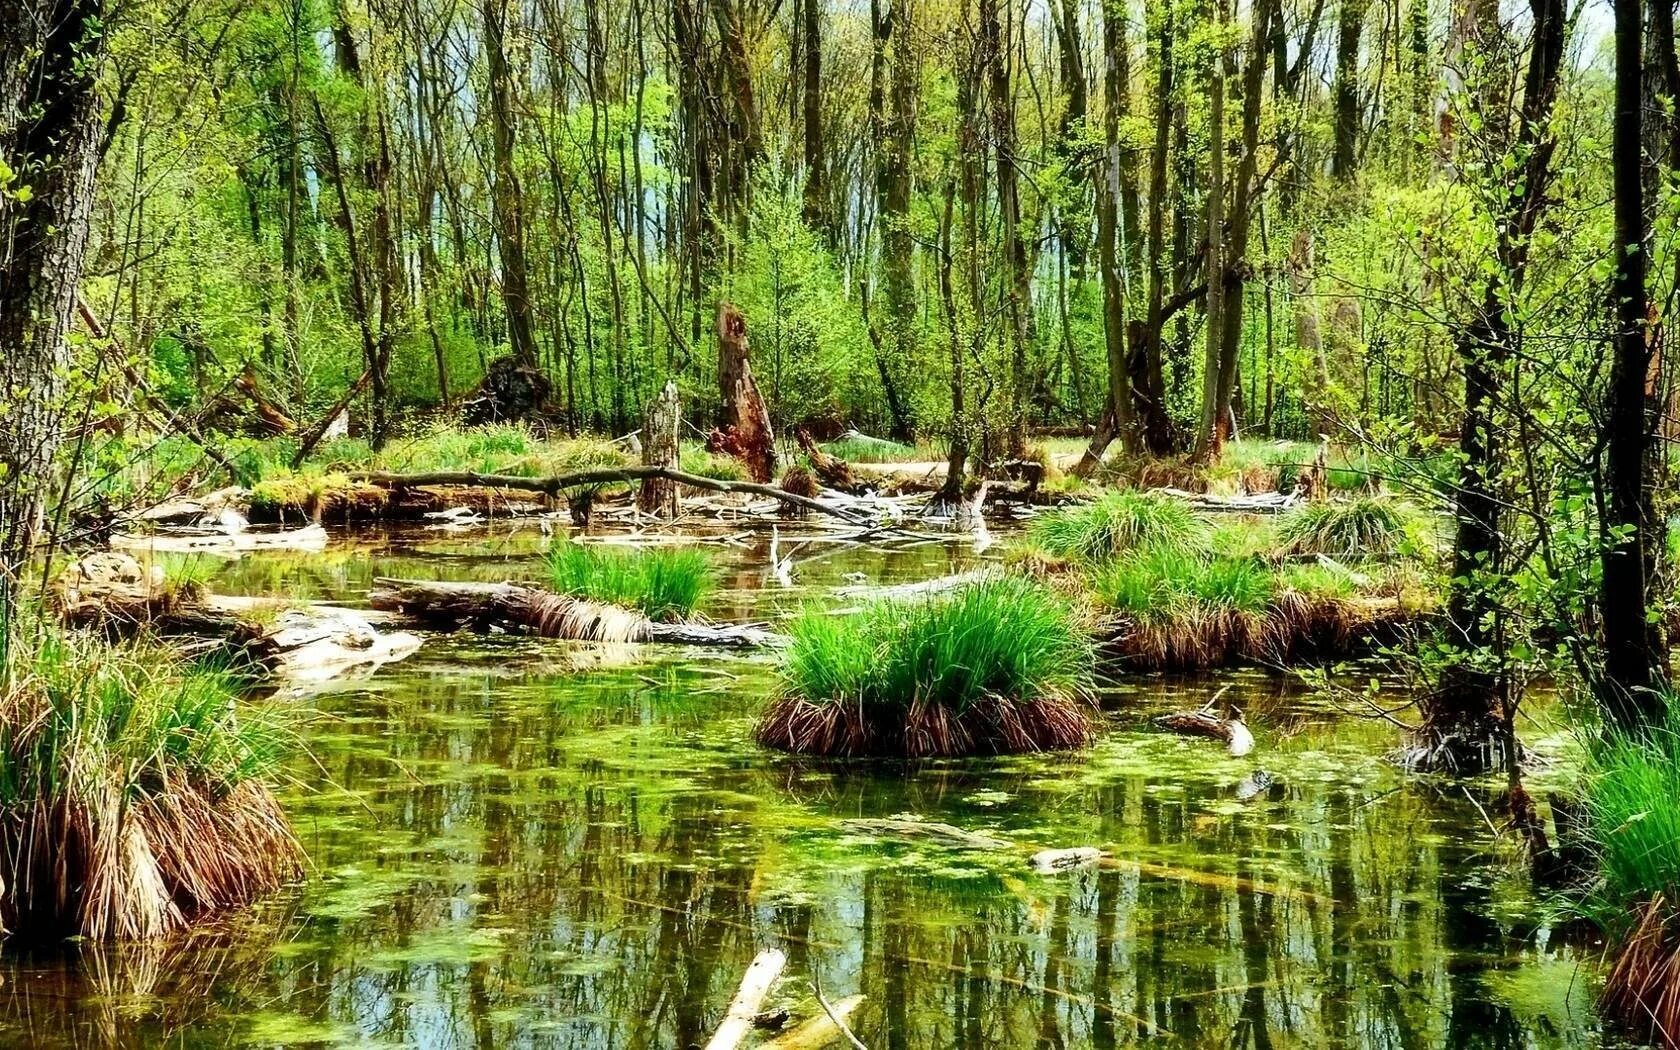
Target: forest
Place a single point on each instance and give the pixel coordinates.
(801, 523)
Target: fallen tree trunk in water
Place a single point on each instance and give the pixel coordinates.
(553, 486)
(531, 610)
(755, 985)
(1232, 731)
(819, 1031)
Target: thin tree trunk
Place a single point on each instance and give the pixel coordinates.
(505, 196)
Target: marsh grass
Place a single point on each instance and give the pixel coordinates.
(1121, 522)
(133, 790)
(664, 583)
(1170, 611)
(1374, 526)
(994, 667)
(861, 448)
(1633, 799)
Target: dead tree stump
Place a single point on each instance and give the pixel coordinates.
(745, 417)
(659, 449)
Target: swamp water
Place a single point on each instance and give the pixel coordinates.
(520, 843)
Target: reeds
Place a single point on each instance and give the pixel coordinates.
(1122, 522)
(664, 583)
(998, 666)
(133, 795)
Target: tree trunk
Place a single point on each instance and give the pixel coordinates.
(747, 434)
(1308, 338)
(51, 53)
(661, 431)
(506, 196)
(1210, 435)
(1344, 154)
(816, 200)
(1634, 654)
(894, 122)
(1016, 258)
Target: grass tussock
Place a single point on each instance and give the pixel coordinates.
(1167, 611)
(663, 583)
(862, 448)
(1122, 522)
(1362, 527)
(1633, 798)
(995, 667)
(133, 797)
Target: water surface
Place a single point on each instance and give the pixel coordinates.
(520, 843)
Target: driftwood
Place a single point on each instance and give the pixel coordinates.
(821, 1030)
(1050, 861)
(918, 589)
(1205, 723)
(530, 610)
(555, 485)
(110, 591)
(222, 541)
(658, 495)
(755, 985)
(906, 826)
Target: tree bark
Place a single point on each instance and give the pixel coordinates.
(747, 432)
(506, 196)
(51, 52)
(660, 432)
(892, 109)
(1344, 154)
(1635, 661)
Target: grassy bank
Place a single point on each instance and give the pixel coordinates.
(134, 793)
(994, 667)
(1174, 589)
(663, 583)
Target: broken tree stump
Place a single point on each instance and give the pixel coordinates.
(830, 469)
(744, 418)
(658, 495)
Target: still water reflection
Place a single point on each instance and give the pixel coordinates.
(525, 844)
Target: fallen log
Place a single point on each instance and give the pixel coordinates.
(755, 985)
(531, 610)
(899, 591)
(555, 485)
(830, 469)
(208, 541)
(1232, 731)
(1050, 861)
(915, 827)
(818, 1031)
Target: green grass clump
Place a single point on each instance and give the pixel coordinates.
(1122, 522)
(1164, 586)
(133, 792)
(1363, 527)
(861, 448)
(1633, 796)
(1320, 580)
(995, 666)
(664, 583)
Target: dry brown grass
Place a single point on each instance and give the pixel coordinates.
(1295, 626)
(989, 726)
(1642, 986)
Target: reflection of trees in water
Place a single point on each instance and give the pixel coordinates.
(630, 899)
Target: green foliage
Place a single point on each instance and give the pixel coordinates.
(1320, 580)
(665, 583)
(693, 458)
(1120, 522)
(1363, 527)
(1006, 637)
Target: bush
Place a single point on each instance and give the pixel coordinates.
(1122, 522)
(132, 789)
(1364, 527)
(665, 583)
(993, 667)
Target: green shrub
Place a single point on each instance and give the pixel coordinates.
(1121, 522)
(665, 583)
